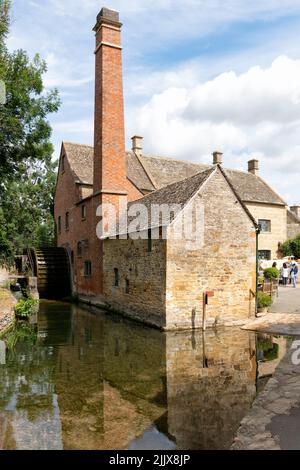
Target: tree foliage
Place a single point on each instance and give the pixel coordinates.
(27, 173)
(292, 247)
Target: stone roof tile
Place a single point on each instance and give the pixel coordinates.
(150, 172)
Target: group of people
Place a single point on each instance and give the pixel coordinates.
(289, 271)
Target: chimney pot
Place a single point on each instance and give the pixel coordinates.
(253, 166)
(218, 158)
(137, 144)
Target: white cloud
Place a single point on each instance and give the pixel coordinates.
(256, 113)
(176, 95)
(83, 126)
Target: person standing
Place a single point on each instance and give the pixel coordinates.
(285, 274)
(294, 273)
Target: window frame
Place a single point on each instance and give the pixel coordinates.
(87, 272)
(83, 212)
(116, 277)
(264, 258)
(67, 221)
(79, 249)
(261, 224)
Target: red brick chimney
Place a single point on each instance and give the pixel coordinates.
(109, 144)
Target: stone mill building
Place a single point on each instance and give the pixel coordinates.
(151, 273)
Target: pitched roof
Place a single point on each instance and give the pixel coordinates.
(80, 158)
(149, 173)
(174, 194)
(292, 217)
(177, 195)
(252, 188)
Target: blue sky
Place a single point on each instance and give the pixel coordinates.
(199, 75)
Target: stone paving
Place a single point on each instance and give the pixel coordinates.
(288, 301)
(283, 317)
(272, 423)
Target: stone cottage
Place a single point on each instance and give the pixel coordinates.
(161, 280)
(91, 176)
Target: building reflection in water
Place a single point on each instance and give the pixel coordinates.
(91, 381)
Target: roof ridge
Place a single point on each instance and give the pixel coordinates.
(247, 211)
(76, 143)
(159, 157)
(176, 184)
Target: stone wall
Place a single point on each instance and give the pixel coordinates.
(278, 217)
(146, 273)
(68, 198)
(225, 264)
(7, 304)
(293, 226)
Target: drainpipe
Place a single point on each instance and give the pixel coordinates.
(256, 295)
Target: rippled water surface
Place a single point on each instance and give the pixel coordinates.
(83, 380)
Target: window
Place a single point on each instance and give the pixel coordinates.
(67, 222)
(59, 224)
(149, 240)
(265, 225)
(63, 163)
(127, 286)
(83, 212)
(264, 254)
(72, 258)
(87, 269)
(79, 248)
(117, 280)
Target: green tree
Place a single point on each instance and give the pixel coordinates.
(27, 173)
(292, 247)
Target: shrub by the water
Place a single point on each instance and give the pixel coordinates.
(264, 300)
(25, 308)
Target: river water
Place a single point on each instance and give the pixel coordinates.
(80, 379)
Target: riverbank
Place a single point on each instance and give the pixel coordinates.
(7, 303)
